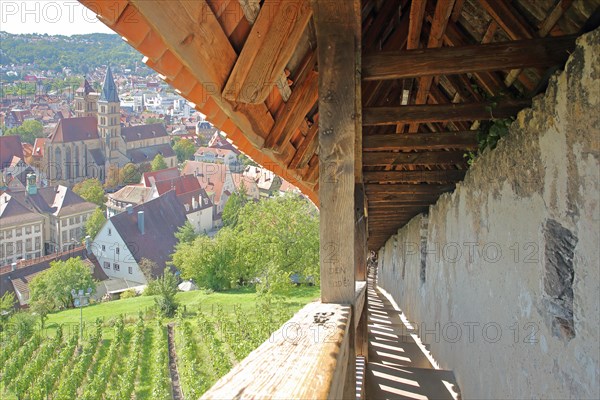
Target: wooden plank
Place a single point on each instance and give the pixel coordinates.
(406, 189)
(466, 140)
(508, 18)
(360, 233)
(441, 16)
(337, 38)
(305, 359)
(442, 112)
(424, 158)
(554, 16)
(270, 45)
(417, 12)
(292, 113)
(302, 155)
(439, 176)
(360, 295)
(540, 52)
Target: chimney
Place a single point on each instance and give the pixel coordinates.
(31, 184)
(13, 266)
(140, 221)
(129, 208)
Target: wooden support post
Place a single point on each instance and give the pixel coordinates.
(338, 45)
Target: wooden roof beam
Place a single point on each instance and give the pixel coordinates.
(291, 114)
(406, 189)
(269, 47)
(508, 18)
(442, 112)
(436, 176)
(542, 52)
(424, 158)
(441, 16)
(466, 140)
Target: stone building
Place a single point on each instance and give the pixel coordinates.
(85, 146)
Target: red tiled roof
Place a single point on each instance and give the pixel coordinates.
(38, 147)
(75, 129)
(181, 185)
(10, 146)
(160, 175)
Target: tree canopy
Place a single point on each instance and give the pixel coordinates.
(158, 163)
(28, 131)
(185, 149)
(53, 286)
(94, 223)
(273, 239)
(90, 190)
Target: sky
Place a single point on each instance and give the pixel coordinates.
(61, 17)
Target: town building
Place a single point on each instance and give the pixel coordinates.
(144, 231)
(38, 221)
(85, 146)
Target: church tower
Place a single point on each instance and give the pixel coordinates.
(109, 117)
(86, 100)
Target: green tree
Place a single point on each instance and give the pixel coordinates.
(232, 208)
(184, 149)
(166, 287)
(42, 307)
(54, 285)
(94, 223)
(112, 177)
(153, 120)
(129, 174)
(158, 163)
(28, 131)
(7, 306)
(186, 234)
(90, 190)
(272, 240)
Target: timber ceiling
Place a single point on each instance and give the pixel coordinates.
(433, 73)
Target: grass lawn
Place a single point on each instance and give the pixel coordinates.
(294, 299)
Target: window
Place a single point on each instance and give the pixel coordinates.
(19, 247)
(63, 222)
(71, 220)
(38, 243)
(103, 248)
(1, 251)
(72, 234)
(116, 267)
(106, 265)
(18, 232)
(77, 219)
(9, 249)
(64, 236)
(130, 270)
(9, 234)
(1, 235)
(117, 250)
(28, 230)
(109, 231)
(28, 244)
(84, 218)
(37, 228)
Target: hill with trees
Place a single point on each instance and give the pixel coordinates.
(80, 53)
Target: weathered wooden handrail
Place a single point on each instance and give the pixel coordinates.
(307, 358)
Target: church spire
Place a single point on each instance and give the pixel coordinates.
(109, 88)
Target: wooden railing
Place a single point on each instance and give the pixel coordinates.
(312, 356)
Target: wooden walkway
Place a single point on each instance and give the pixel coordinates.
(397, 367)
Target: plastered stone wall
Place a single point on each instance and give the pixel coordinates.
(507, 290)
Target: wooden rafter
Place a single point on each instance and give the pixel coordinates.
(426, 176)
(422, 158)
(293, 112)
(270, 45)
(441, 16)
(441, 112)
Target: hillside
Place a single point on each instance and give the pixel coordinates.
(80, 53)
